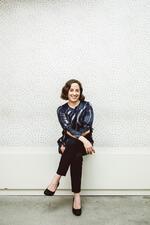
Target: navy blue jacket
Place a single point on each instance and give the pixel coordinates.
(75, 120)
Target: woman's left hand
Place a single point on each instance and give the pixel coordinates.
(88, 147)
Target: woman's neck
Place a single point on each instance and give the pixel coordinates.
(73, 104)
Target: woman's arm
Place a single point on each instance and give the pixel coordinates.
(83, 134)
(88, 118)
(65, 123)
(87, 144)
(62, 148)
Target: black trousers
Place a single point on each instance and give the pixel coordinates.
(73, 157)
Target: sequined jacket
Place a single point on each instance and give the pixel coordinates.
(75, 120)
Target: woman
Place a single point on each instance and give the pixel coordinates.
(76, 118)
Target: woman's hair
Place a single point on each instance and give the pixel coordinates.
(65, 89)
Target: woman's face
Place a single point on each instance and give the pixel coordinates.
(74, 93)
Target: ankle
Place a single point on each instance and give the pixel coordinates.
(57, 176)
(76, 195)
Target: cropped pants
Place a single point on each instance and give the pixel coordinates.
(73, 157)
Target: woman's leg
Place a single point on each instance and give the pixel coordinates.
(65, 160)
(62, 169)
(71, 152)
(76, 173)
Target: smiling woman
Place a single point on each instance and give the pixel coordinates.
(76, 119)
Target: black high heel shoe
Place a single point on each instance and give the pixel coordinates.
(76, 212)
(50, 193)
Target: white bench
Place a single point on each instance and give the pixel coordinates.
(28, 170)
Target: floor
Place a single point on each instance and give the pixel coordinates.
(96, 210)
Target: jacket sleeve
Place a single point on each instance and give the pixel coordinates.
(65, 123)
(88, 118)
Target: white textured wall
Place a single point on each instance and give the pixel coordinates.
(104, 44)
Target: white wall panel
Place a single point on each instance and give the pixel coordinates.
(104, 44)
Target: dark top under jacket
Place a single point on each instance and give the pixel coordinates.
(75, 120)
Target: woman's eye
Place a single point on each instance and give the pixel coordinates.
(71, 90)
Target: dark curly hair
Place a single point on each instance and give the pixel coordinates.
(65, 89)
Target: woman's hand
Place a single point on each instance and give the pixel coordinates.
(62, 149)
(88, 147)
(87, 144)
